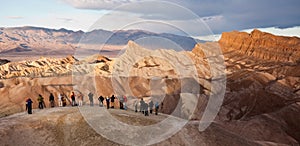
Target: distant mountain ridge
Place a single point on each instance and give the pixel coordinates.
(37, 40)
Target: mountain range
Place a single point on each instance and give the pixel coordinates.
(43, 41)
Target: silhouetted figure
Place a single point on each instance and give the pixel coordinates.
(136, 106)
(64, 100)
(142, 105)
(91, 98)
(121, 100)
(101, 99)
(112, 100)
(146, 109)
(41, 102)
(156, 108)
(51, 99)
(73, 99)
(107, 102)
(151, 106)
(29, 106)
(125, 102)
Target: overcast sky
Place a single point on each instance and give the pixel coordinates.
(190, 17)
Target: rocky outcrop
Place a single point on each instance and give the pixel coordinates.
(4, 61)
(262, 83)
(262, 45)
(66, 126)
(43, 67)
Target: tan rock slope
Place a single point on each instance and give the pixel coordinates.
(262, 92)
(262, 45)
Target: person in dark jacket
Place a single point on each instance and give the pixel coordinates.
(136, 106)
(151, 106)
(112, 100)
(29, 106)
(51, 99)
(121, 100)
(142, 106)
(156, 108)
(64, 100)
(73, 99)
(101, 99)
(146, 109)
(107, 102)
(91, 98)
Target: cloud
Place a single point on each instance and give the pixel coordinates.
(220, 15)
(66, 19)
(15, 17)
(98, 4)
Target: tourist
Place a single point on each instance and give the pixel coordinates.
(51, 99)
(136, 106)
(91, 98)
(151, 106)
(80, 99)
(146, 109)
(142, 102)
(112, 100)
(64, 100)
(73, 99)
(124, 102)
(156, 108)
(59, 97)
(29, 106)
(41, 101)
(107, 102)
(101, 99)
(121, 100)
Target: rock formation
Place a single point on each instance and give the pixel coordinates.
(262, 45)
(3, 61)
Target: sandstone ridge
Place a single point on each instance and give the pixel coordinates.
(262, 45)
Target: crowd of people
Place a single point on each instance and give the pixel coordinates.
(77, 100)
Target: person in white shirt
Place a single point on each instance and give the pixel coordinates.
(60, 103)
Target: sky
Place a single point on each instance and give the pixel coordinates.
(204, 19)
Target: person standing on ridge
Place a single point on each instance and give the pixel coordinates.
(124, 102)
(107, 102)
(29, 106)
(80, 99)
(51, 99)
(142, 105)
(156, 108)
(112, 100)
(136, 106)
(101, 99)
(41, 101)
(64, 100)
(91, 98)
(151, 106)
(73, 99)
(146, 109)
(121, 100)
(59, 97)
